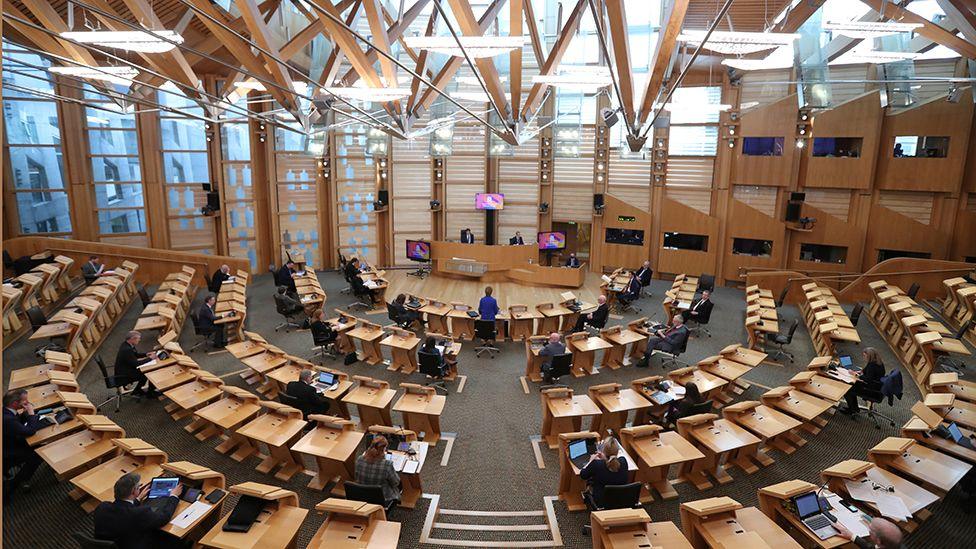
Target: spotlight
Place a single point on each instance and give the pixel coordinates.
(435, 204)
(543, 207)
(799, 143)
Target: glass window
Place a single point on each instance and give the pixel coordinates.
(113, 142)
(693, 140)
(121, 221)
(37, 210)
(235, 142)
(183, 134)
(36, 167)
(115, 168)
(185, 167)
(689, 105)
(102, 118)
(118, 195)
(31, 122)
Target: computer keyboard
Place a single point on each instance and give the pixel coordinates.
(817, 522)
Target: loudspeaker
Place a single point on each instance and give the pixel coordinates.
(798, 197)
(793, 211)
(383, 196)
(213, 201)
(597, 201)
(609, 116)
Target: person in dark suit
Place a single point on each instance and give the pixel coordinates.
(606, 468)
(309, 400)
(284, 276)
(644, 274)
(668, 339)
(871, 374)
(572, 261)
(553, 347)
(351, 270)
(430, 348)
(682, 408)
(222, 274)
(127, 363)
(287, 301)
(207, 318)
(467, 237)
(92, 269)
(404, 313)
(131, 521)
(632, 291)
(517, 239)
(596, 318)
(19, 422)
(701, 308)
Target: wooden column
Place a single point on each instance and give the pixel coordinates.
(153, 179)
(265, 210)
(77, 169)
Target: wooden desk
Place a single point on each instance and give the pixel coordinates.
(563, 413)
(729, 370)
(45, 396)
(584, 348)
(373, 399)
(551, 317)
(723, 523)
(648, 388)
(277, 429)
(618, 338)
(421, 408)
(723, 443)
(570, 484)
(655, 451)
(533, 362)
(412, 465)
(77, 404)
(332, 444)
(37, 375)
(915, 498)
(187, 398)
(96, 484)
(616, 404)
(81, 450)
(436, 316)
(207, 480)
(773, 501)
(345, 345)
(462, 324)
(275, 528)
(368, 335)
(225, 417)
(403, 348)
(354, 525)
(521, 323)
(820, 386)
(633, 529)
(800, 405)
(775, 428)
(934, 470)
(709, 386)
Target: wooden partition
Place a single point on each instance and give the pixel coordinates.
(154, 264)
(748, 222)
(858, 118)
(619, 215)
(776, 119)
(829, 231)
(678, 218)
(899, 232)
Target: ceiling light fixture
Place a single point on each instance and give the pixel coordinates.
(866, 29)
(116, 75)
(477, 47)
(373, 95)
(586, 79)
(156, 41)
(738, 43)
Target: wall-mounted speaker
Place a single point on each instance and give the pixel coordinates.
(383, 196)
(598, 201)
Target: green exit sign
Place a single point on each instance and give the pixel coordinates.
(626, 218)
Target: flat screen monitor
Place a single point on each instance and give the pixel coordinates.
(489, 201)
(553, 240)
(418, 250)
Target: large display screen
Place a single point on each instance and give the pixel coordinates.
(418, 250)
(554, 240)
(489, 201)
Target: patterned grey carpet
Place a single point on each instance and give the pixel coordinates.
(492, 466)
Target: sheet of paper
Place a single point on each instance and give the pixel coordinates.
(148, 364)
(855, 522)
(861, 491)
(191, 514)
(411, 466)
(892, 506)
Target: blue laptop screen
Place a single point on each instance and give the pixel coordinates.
(577, 448)
(807, 505)
(845, 361)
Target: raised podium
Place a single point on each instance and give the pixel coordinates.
(500, 263)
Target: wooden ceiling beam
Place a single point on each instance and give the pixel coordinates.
(515, 57)
(798, 16)
(332, 65)
(928, 29)
(421, 64)
(260, 35)
(538, 47)
(553, 59)
(486, 66)
(617, 16)
(667, 43)
(394, 32)
(377, 28)
(345, 40)
(49, 18)
(172, 61)
(961, 17)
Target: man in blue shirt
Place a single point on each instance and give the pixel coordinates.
(488, 307)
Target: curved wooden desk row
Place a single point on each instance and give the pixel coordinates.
(231, 307)
(500, 263)
(679, 297)
(916, 338)
(826, 320)
(761, 321)
(42, 287)
(170, 305)
(959, 305)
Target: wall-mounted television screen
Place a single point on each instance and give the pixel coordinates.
(762, 146)
(631, 237)
(489, 201)
(553, 240)
(418, 250)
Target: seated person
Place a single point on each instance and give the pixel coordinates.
(284, 276)
(553, 347)
(644, 274)
(286, 302)
(359, 288)
(571, 261)
(701, 308)
(467, 237)
(430, 348)
(871, 374)
(403, 313)
(217, 281)
(488, 306)
(606, 468)
(597, 318)
(682, 408)
(882, 534)
(131, 521)
(351, 270)
(207, 318)
(632, 291)
(127, 363)
(373, 469)
(517, 239)
(309, 399)
(19, 422)
(668, 339)
(322, 331)
(93, 269)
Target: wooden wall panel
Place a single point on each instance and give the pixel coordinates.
(891, 230)
(860, 117)
(757, 88)
(831, 231)
(934, 118)
(676, 217)
(834, 202)
(916, 206)
(612, 256)
(630, 181)
(964, 241)
(777, 119)
(573, 190)
(699, 200)
(762, 199)
(749, 222)
(465, 176)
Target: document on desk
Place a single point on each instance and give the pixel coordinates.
(191, 514)
(371, 284)
(892, 506)
(146, 365)
(854, 522)
(411, 466)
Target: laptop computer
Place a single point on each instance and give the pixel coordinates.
(327, 381)
(811, 515)
(244, 514)
(847, 363)
(958, 437)
(580, 451)
(161, 487)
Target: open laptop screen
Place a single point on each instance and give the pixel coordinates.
(577, 448)
(807, 505)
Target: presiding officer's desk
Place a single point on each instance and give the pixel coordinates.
(275, 528)
(500, 263)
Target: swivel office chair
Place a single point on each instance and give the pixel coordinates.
(364, 299)
(88, 542)
(289, 315)
(289, 400)
(144, 296)
(782, 295)
(324, 344)
(623, 496)
(209, 281)
(781, 341)
(392, 314)
(701, 321)
(672, 357)
(434, 367)
(486, 332)
(706, 282)
(37, 319)
(913, 290)
(368, 493)
(203, 336)
(950, 363)
(871, 393)
(342, 269)
(116, 384)
(856, 313)
(561, 366)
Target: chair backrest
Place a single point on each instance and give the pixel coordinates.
(322, 333)
(961, 332)
(36, 317)
(782, 296)
(109, 379)
(485, 329)
(430, 364)
(209, 281)
(391, 313)
(87, 542)
(289, 400)
(913, 290)
(8, 261)
(561, 365)
(144, 295)
(856, 313)
(281, 306)
(870, 391)
(701, 408)
(599, 323)
(789, 336)
(368, 493)
(622, 496)
(706, 282)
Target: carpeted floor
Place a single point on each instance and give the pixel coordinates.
(492, 465)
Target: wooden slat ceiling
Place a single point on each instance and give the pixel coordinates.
(169, 11)
(746, 15)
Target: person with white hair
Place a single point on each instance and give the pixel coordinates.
(597, 318)
(309, 399)
(882, 534)
(127, 363)
(553, 348)
(222, 274)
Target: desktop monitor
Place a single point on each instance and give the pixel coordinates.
(489, 201)
(418, 250)
(553, 240)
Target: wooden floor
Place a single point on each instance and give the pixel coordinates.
(471, 291)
